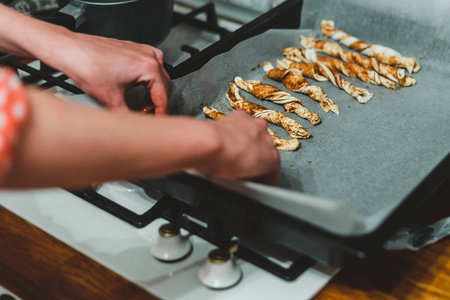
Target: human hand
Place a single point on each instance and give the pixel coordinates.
(247, 150)
(105, 68)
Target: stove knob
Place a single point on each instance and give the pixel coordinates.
(171, 245)
(219, 271)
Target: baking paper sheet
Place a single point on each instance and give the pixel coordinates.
(360, 164)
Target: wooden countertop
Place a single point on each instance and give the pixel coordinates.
(423, 274)
(34, 265)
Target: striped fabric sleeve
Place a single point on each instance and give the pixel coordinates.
(13, 113)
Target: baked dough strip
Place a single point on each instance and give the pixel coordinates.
(350, 69)
(333, 49)
(271, 93)
(294, 129)
(294, 81)
(320, 72)
(281, 144)
(383, 54)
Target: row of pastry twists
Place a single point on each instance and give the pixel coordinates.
(261, 91)
(281, 144)
(382, 54)
(383, 68)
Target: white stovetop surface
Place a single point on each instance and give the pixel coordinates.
(125, 249)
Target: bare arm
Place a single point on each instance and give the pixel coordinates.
(70, 145)
(104, 68)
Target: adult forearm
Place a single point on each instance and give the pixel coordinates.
(103, 68)
(22, 35)
(92, 145)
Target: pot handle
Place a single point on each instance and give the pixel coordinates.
(70, 16)
(78, 13)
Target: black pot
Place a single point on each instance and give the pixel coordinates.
(141, 21)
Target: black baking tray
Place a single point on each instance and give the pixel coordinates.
(228, 217)
(371, 166)
(285, 15)
(235, 214)
(243, 216)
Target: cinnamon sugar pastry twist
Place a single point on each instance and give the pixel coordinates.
(311, 69)
(294, 129)
(395, 74)
(268, 92)
(281, 144)
(350, 69)
(294, 81)
(383, 54)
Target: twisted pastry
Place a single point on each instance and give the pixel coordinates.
(268, 92)
(294, 81)
(395, 74)
(383, 54)
(350, 69)
(281, 144)
(213, 113)
(294, 129)
(309, 69)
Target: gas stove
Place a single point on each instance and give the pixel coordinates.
(125, 224)
(126, 249)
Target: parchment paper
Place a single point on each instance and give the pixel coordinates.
(362, 163)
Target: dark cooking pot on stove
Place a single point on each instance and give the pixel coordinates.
(141, 21)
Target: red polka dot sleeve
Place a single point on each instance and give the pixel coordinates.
(13, 112)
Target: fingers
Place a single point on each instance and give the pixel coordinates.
(261, 122)
(160, 97)
(154, 52)
(114, 100)
(165, 74)
(159, 90)
(272, 173)
(159, 56)
(273, 176)
(248, 151)
(120, 65)
(121, 106)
